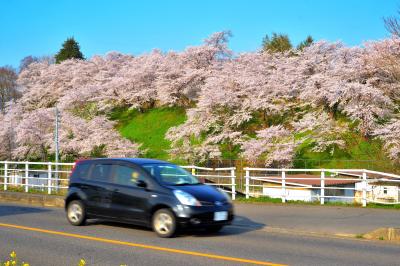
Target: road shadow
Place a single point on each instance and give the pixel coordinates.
(9, 209)
(239, 226)
(94, 222)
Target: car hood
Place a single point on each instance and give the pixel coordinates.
(203, 193)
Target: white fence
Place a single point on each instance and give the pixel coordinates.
(37, 176)
(323, 185)
(352, 185)
(224, 178)
(52, 178)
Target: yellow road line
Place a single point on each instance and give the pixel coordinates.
(123, 243)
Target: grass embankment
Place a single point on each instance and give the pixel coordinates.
(149, 128)
(359, 153)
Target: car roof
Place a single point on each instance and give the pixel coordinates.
(139, 161)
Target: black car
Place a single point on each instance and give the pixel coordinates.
(145, 192)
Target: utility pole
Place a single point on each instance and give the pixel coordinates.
(56, 145)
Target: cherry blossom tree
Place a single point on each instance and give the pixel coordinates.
(275, 145)
(257, 102)
(81, 137)
(264, 85)
(34, 138)
(6, 137)
(321, 131)
(34, 134)
(389, 134)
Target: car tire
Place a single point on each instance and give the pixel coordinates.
(76, 213)
(164, 223)
(215, 228)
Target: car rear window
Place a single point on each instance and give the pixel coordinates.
(81, 170)
(101, 172)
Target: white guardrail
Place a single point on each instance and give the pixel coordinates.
(323, 185)
(221, 177)
(351, 185)
(48, 177)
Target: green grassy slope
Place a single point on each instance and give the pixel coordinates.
(149, 128)
(359, 153)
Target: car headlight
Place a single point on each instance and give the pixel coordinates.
(186, 199)
(228, 198)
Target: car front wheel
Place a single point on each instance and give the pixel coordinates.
(76, 213)
(164, 223)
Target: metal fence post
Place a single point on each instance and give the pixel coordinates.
(283, 186)
(26, 177)
(322, 198)
(49, 178)
(247, 177)
(5, 175)
(364, 189)
(56, 177)
(233, 184)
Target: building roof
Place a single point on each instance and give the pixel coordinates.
(380, 178)
(310, 180)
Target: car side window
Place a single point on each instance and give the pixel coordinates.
(82, 170)
(128, 176)
(101, 172)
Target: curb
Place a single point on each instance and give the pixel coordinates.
(32, 199)
(385, 235)
(388, 234)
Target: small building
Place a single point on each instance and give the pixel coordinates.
(36, 179)
(305, 187)
(380, 188)
(379, 192)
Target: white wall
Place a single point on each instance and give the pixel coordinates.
(291, 194)
(309, 194)
(378, 193)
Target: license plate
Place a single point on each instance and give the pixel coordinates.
(220, 216)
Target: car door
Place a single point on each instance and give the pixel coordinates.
(81, 180)
(129, 201)
(98, 189)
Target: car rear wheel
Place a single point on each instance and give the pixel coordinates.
(164, 223)
(76, 213)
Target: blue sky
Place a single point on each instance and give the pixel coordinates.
(39, 27)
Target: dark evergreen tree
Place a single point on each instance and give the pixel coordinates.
(70, 49)
(307, 42)
(277, 43)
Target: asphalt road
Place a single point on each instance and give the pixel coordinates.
(319, 219)
(42, 236)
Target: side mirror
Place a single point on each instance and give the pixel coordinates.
(141, 183)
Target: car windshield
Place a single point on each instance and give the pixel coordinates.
(170, 174)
